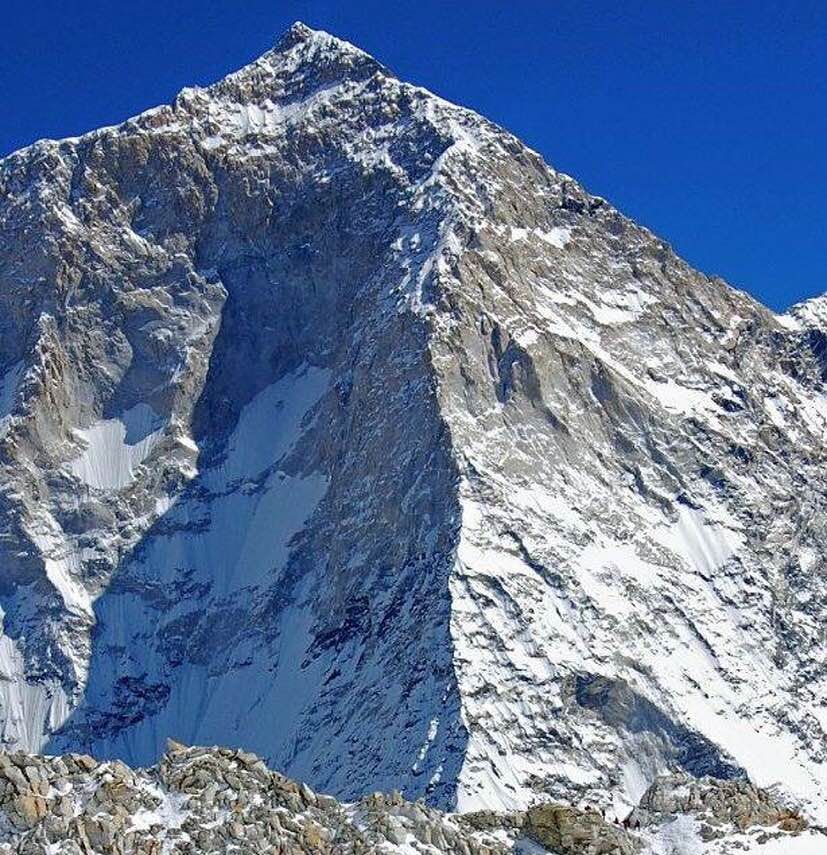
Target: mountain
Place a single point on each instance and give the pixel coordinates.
(338, 426)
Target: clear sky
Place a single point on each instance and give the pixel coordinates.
(706, 121)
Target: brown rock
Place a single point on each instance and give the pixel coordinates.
(85, 762)
(30, 808)
(570, 831)
(175, 747)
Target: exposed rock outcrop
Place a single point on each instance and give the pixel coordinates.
(719, 804)
(205, 801)
(213, 801)
(569, 831)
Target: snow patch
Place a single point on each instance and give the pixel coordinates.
(681, 836)
(169, 814)
(703, 543)
(558, 236)
(116, 447)
(29, 709)
(684, 400)
(269, 425)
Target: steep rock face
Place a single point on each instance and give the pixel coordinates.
(639, 571)
(236, 322)
(338, 425)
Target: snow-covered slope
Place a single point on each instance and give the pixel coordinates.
(337, 425)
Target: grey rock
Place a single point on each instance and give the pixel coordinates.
(721, 804)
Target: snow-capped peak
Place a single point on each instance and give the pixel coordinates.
(330, 410)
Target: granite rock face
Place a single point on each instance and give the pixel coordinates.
(336, 424)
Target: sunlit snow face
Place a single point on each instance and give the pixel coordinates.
(114, 448)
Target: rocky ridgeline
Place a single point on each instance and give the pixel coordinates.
(204, 800)
(717, 809)
(719, 805)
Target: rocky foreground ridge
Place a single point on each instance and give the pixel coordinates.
(216, 800)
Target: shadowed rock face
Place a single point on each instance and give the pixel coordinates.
(639, 720)
(258, 563)
(337, 425)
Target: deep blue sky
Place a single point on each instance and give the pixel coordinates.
(706, 121)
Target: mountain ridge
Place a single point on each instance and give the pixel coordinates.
(300, 34)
